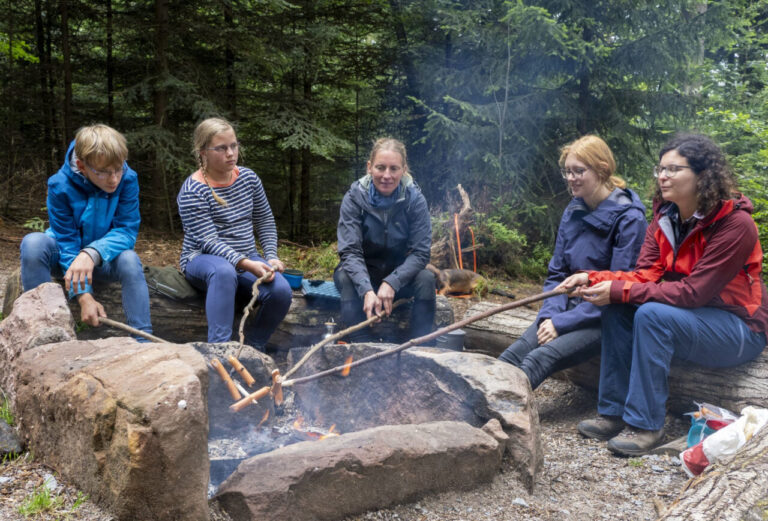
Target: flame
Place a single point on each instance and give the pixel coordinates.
(299, 423)
(330, 432)
(263, 418)
(347, 368)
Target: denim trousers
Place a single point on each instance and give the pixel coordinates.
(422, 289)
(40, 260)
(639, 343)
(222, 284)
(540, 361)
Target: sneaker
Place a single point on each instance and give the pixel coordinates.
(601, 428)
(635, 442)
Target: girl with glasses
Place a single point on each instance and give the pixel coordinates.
(220, 204)
(602, 228)
(696, 295)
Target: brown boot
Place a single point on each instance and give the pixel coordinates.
(601, 428)
(635, 442)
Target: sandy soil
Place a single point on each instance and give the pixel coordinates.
(579, 479)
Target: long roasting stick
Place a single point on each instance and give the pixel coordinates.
(132, 330)
(426, 338)
(338, 335)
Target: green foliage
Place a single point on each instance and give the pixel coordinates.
(39, 502)
(6, 412)
(316, 262)
(37, 223)
(636, 462)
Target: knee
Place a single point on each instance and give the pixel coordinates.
(424, 285)
(129, 264)
(34, 245)
(345, 285)
(652, 314)
(222, 274)
(281, 291)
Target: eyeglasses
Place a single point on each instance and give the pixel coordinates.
(106, 174)
(670, 170)
(577, 172)
(222, 149)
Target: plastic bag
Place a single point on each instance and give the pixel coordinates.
(708, 419)
(724, 442)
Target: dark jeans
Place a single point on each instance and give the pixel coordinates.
(222, 282)
(639, 343)
(540, 361)
(422, 289)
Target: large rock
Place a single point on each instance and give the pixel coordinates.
(126, 422)
(421, 385)
(356, 472)
(40, 316)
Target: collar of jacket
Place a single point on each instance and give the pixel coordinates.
(602, 218)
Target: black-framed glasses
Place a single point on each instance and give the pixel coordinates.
(668, 170)
(577, 172)
(106, 174)
(222, 149)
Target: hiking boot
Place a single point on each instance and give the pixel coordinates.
(601, 428)
(635, 442)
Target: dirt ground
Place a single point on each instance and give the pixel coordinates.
(579, 479)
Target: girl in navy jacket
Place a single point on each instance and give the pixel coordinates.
(604, 226)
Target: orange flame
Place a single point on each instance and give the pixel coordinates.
(347, 364)
(330, 432)
(299, 423)
(264, 418)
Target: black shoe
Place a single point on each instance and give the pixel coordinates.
(635, 442)
(601, 428)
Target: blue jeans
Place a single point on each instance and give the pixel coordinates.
(540, 361)
(40, 260)
(640, 342)
(222, 283)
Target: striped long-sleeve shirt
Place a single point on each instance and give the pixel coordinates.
(226, 231)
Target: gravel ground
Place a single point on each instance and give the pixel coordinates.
(579, 480)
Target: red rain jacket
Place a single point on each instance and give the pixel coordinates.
(718, 264)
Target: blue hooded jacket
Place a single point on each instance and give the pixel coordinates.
(607, 238)
(82, 215)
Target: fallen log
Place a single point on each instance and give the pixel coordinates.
(184, 321)
(732, 388)
(732, 489)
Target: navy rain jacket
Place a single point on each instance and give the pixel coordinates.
(608, 238)
(383, 244)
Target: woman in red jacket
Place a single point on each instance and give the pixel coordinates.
(696, 295)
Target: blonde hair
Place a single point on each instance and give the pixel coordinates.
(201, 138)
(394, 145)
(99, 143)
(595, 154)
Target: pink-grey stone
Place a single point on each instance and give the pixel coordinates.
(343, 475)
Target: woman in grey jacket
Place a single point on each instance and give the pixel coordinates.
(384, 237)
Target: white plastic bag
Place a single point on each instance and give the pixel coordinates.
(724, 442)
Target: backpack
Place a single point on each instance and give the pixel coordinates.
(170, 282)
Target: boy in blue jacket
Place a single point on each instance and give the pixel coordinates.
(93, 211)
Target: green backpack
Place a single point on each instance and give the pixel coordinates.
(170, 282)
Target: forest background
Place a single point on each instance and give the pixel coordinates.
(483, 93)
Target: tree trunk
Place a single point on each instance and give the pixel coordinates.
(160, 106)
(43, 70)
(57, 138)
(229, 59)
(67, 64)
(733, 489)
(110, 68)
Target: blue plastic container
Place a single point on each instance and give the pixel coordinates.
(294, 278)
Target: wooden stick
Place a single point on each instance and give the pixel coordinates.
(249, 307)
(426, 338)
(132, 330)
(227, 380)
(340, 334)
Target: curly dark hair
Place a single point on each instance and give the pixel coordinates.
(715, 180)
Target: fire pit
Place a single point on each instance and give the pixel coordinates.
(443, 393)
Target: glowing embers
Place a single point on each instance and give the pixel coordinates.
(304, 432)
